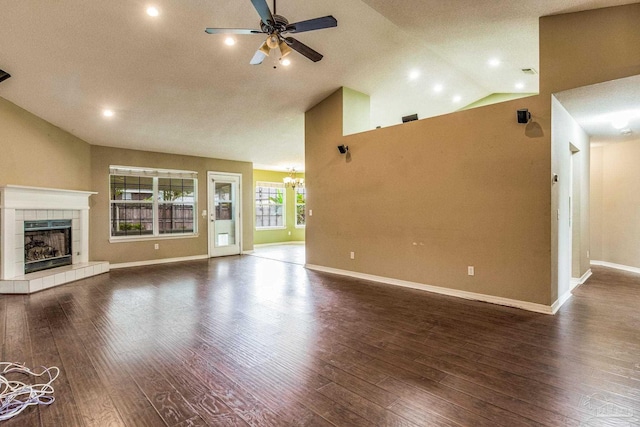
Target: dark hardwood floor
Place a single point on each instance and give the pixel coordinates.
(243, 341)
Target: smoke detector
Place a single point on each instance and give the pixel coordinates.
(626, 131)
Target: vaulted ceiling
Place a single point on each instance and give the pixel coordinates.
(173, 88)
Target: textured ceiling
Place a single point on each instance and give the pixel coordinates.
(598, 107)
(175, 89)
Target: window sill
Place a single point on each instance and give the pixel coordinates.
(270, 228)
(148, 238)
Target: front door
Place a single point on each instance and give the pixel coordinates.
(224, 214)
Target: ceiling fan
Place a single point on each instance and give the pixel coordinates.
(276, 27)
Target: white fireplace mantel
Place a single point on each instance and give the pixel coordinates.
(20, 203)
(21, 197)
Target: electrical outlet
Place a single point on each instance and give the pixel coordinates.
(471, 270)
(587, 254)
(310, 212)
(156, 246)
(289, 233)
(353, 255)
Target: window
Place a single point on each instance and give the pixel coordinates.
(301, 199)
(152, 203)
(270, 203)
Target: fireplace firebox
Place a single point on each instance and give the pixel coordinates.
(47, 244)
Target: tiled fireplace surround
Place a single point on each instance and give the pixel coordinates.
(19, 204)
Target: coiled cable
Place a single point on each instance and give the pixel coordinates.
(16, 396)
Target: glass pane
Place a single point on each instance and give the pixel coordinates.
(269, 207)
(131, 219)
(176, 190)
(175, 218)
(300, 220)
(131, 188)
(225, 225)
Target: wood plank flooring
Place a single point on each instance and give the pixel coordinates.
(248, 341)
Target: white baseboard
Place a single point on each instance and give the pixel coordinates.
(560, 302)
(616, 266)
(157, 261)
(575, 282)
(248, 252)
(530, 306)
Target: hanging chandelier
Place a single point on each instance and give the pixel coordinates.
(292, 181)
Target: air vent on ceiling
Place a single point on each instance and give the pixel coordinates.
(529, 71)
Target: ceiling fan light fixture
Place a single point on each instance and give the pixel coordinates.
(284, 49)
(265, 49)
(273, 41)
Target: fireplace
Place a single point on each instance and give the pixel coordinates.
(47, 244)
(43, 228)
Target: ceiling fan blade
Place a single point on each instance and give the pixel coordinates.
(303, 49)
(257, 58)
(231, 31)
(312, 24)
(263, 10)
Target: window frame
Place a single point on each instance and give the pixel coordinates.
(155, 202)
(279, 186)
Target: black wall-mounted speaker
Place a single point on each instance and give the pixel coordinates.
(409, 118)
(524, 116)
(4, 75)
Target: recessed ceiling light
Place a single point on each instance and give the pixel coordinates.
(519, 85)
(229, 41)
(153, 11)
(108, 113)
(438, 88)
(457, 98)
(414, 74)
(494, 62)
(286, 62)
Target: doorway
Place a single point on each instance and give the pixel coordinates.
(224, 199)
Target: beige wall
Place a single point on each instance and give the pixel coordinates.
(36, 153)
(423, 200)
(615, 203)
(596, 202)
(290, 233)
(101, 249)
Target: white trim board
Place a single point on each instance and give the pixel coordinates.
(157, 261)
(575, 282)
(524, 305)
(616, 266)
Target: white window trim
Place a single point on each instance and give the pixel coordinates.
(153, 173)
(280, 186)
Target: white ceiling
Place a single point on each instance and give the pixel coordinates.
(176, 89)
(597, 107)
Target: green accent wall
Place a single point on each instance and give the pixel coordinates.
(290, 233)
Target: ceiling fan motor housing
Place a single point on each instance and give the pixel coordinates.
(280, 25)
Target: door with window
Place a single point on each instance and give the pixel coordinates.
(224, 214)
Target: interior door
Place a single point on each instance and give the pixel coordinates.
(224, 214)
